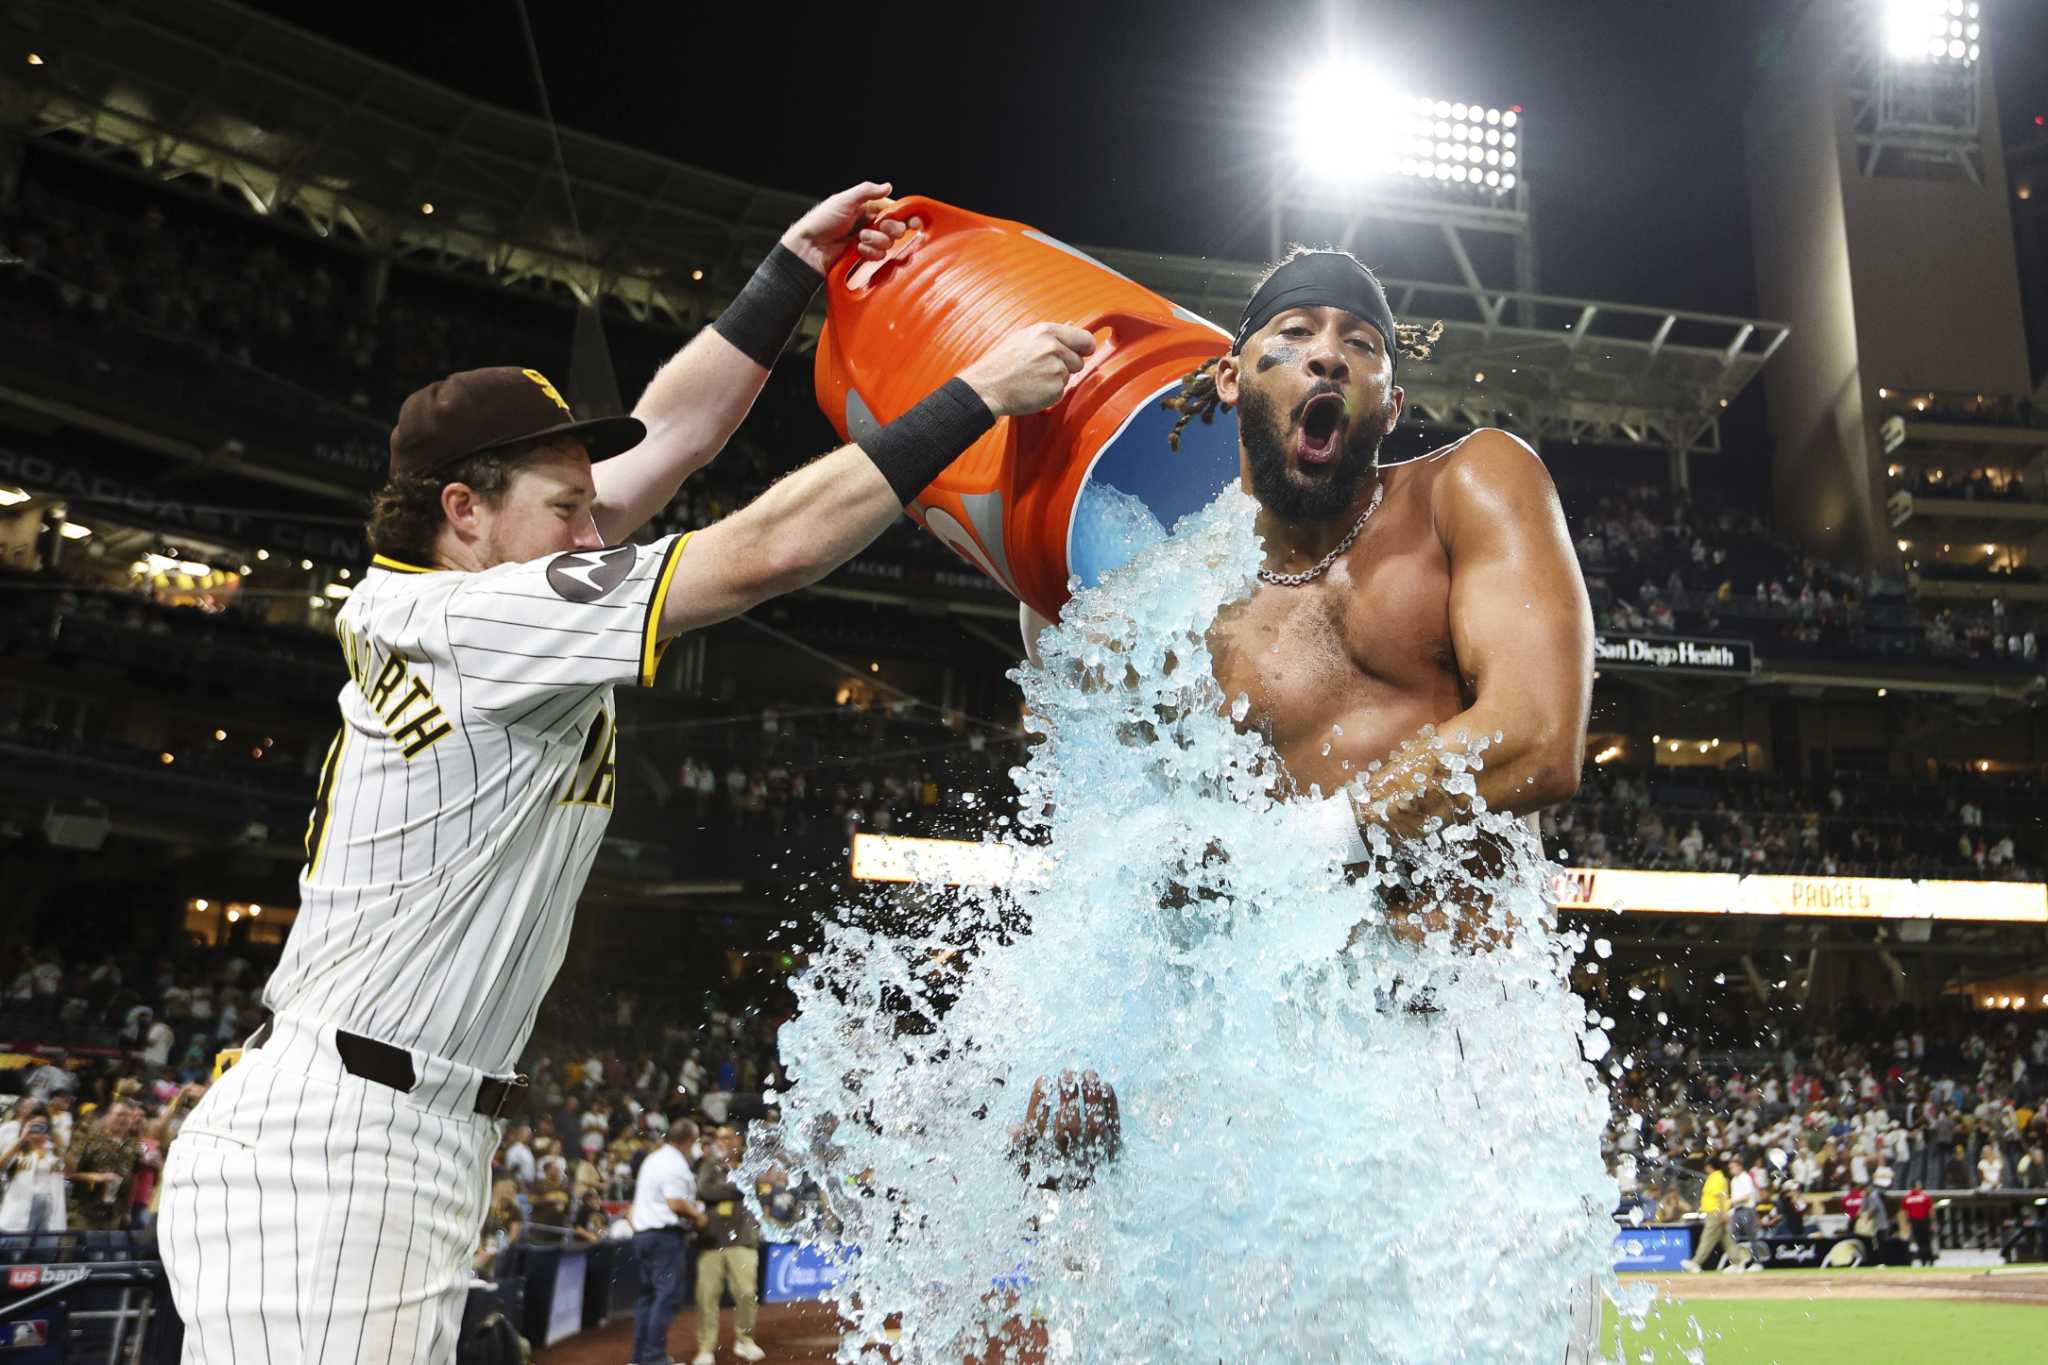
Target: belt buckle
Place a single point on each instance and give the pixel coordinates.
(517, 1082)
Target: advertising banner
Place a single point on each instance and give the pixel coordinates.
(1672, 654)
(2000, 902)
(1620, 888)
(799, 1271)
(1725, 893)
(956, 862)
(1831, 897)
(936, 862)
(1799, 1253)
(1657, 1246)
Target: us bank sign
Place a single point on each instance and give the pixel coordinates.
(1669, 654)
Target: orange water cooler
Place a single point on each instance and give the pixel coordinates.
(1071, 492)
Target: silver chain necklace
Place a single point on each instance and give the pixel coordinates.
(1295, 580)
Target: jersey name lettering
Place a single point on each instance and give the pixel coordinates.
(411, 716)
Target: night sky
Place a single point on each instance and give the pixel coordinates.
(1152, 126)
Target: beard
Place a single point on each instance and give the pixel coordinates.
(1264, 430)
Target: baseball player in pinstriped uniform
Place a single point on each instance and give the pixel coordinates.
(322, 1201)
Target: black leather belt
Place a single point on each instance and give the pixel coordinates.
(392, 1066)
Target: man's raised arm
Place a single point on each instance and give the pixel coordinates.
(700, 396)
(1522, 629)
(817, 518)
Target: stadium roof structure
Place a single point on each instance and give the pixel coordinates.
(342, 145)
(346, 145)
(1549, 367)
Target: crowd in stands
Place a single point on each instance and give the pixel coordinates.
(109, 1054)
(1719, 820)
(1655, 564)
(122, 1049)
(268, 302)
(1862, 1105)
(272, 303)
(820, 776)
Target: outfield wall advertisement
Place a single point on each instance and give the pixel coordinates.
(956, 862)
(1726, 893)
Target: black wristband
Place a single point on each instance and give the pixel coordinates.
(916, 448)
(761, 318)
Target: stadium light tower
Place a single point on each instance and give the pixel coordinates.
(1454, 167)
(1915, 88)
(1880, 209)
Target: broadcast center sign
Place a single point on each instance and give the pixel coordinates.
(1674, 654)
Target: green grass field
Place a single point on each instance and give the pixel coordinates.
(1809, 1331)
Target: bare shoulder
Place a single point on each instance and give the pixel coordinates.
(1491, 459)
(1490, 473)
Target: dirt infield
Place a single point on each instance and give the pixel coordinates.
(789, 1333)
(2028, 1285)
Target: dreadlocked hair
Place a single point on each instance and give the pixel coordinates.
(1197, 395)
(1416, 342)
(1197, 398)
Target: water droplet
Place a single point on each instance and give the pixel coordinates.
(1603, 947)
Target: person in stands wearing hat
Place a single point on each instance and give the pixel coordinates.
(327, 1191)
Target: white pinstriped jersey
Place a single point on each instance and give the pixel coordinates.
(463, 799)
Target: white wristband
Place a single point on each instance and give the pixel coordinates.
(1337, 827)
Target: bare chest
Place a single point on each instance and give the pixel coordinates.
(1339, 671)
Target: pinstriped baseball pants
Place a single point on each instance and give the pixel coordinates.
(311, 1217)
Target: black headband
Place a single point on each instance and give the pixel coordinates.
(1330, 279)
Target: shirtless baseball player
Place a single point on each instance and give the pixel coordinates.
(322, 1201)
(1439, 591)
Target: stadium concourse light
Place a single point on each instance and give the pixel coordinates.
(1936, 31)
(1440, 142)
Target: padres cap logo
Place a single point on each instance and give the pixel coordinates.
(586, 575)
(549, 389)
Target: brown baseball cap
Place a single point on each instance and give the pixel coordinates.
(478, 410)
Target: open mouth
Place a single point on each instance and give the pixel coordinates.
(1320, 421)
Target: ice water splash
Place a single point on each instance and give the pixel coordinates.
(1312, 1167)
(1110, 527)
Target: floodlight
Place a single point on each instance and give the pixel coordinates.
(1936, 32)
(1412, 136)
